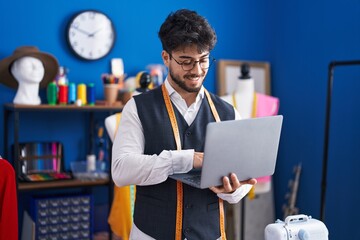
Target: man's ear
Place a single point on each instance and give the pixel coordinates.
(166, 58)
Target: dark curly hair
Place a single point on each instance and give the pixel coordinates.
(185, 27)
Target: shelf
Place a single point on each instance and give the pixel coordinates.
(23, 186)
(45, 107)
(14, 112)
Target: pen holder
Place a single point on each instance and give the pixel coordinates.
(111, 92)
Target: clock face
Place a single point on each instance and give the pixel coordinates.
(91, 35)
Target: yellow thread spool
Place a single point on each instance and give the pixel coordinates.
(81, 93)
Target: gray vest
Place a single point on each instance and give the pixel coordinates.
(155, 205)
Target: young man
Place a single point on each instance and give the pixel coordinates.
(162, 131)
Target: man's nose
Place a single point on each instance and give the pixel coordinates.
(197, 68)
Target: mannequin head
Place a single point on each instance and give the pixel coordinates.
(245, 71)
(143, 80)
(245, 85)
(28, 70)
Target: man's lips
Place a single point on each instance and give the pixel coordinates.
(193, 78)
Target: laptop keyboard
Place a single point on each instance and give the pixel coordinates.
(195, 179)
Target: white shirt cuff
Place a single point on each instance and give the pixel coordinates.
(236, 196)
(182, 161)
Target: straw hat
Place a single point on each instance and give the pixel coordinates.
(50, 63)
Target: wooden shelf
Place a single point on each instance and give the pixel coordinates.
(100, 107)
(23, 186)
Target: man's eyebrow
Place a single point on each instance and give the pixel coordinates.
(188, 57)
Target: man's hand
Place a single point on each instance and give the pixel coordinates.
(230, 186)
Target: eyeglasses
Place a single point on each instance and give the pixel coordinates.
(189, 64)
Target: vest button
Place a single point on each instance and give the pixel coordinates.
(188, 134)
(187, 230)
(188, 206)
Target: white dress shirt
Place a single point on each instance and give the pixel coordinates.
(131, 167)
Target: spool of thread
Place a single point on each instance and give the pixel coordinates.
(81, 93)
(63, 94)
(91, 162)
(51, 93)
(72, 93)
(90, 92)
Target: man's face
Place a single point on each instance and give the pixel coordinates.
(186, 72)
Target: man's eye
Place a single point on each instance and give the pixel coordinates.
(187, 63)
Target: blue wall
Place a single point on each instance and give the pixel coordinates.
(298, 38)
(307, 36)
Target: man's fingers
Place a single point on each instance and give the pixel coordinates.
(230, 185)
(235, 181)
(226, 184)
(251, 181)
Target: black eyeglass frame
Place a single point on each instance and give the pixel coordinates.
(211, 60)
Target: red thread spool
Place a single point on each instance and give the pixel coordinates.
(63, 94)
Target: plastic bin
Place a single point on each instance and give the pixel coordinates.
(80, 170)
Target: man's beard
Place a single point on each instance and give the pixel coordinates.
(182, 84)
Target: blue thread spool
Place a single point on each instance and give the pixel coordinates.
(90, 92)
(72, 93)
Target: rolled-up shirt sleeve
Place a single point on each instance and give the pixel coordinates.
(129, 163)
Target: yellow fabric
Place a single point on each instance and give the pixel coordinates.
(120, 217)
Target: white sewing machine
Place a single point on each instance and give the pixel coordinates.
(297, 227)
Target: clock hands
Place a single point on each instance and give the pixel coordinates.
(80, 30)
(85, 32)
(93, 34)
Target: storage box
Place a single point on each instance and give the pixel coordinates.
(80, 170)
(63, 217)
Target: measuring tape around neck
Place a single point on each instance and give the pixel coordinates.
(179, 187)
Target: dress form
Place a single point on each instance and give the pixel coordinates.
(29, 72)
(120, 217)
(243, 96)
(259, 202)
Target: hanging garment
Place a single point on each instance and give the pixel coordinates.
(8, 202)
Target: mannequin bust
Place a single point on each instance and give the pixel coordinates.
(251, 104)
(111, 125)
(243, 93)
(121, 210)
(28, 72)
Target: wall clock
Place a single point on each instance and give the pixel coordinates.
(91, 34)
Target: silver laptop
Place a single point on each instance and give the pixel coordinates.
(245, 147)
